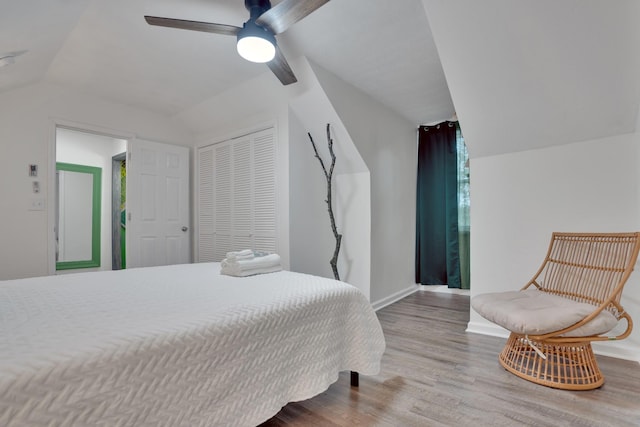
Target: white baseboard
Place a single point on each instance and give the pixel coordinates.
(487, 329)
(444, 289)
(619, 350)
(377, 305)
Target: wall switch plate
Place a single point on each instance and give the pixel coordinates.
(33, 170)
(37, 205)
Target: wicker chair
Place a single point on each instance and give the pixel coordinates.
(572, 300)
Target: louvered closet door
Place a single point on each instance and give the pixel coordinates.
(222, 196)
(242, 200)
(264, 184)
(237, 196)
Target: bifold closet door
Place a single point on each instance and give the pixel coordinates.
(237, 196)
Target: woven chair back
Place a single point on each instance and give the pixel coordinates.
(591, 268)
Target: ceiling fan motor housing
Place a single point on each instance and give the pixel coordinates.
(257, 7)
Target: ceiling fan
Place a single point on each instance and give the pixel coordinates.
(256, 38)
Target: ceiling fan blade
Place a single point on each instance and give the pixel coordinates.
(281, 68)
(286, 13)
(207, 27)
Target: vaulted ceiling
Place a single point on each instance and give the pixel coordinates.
(105, 48)
(523, 74)
(530, 74)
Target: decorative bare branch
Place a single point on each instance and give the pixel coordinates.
(329, 175)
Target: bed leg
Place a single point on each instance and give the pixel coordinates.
(355, 379)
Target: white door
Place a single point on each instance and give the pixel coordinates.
(157, 204)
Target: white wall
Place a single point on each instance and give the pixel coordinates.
(518, 199)
(353, 214)
(93, 150)
(312, 240)
(387, 143)
(310, 234)
(27, 133)
(305, 239)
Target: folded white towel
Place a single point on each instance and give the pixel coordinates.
(246, 267)
(251, 272)
(256, 262)
(243, 254)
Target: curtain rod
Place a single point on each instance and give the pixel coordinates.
(453, 118)
(437, 125)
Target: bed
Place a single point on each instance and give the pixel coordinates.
(176, 345)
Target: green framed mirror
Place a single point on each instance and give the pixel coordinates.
(79, 211)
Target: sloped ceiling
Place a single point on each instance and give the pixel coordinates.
(105, 48)
(531, 74)
(29, 26)
(522, 74)
(383, 48)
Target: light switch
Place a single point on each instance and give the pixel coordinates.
(33, 170)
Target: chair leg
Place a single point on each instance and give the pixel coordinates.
(568, 366)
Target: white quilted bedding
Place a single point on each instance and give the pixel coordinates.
(176, 346)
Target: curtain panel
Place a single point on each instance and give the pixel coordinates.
(437, 246)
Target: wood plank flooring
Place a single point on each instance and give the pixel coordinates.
(435, 374)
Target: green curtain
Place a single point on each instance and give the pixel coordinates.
(437, 247)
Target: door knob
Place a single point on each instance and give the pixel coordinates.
(185, 228)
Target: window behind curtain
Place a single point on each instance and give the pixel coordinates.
(464, 198)
(464, 205)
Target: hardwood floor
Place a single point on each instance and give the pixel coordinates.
(435, 374)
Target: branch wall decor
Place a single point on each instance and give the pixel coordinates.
(329, 175)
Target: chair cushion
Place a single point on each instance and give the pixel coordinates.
(532, 312)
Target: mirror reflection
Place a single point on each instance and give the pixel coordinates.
(78, 225)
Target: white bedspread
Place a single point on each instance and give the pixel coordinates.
(176, 346)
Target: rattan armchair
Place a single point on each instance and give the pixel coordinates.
(573, 300)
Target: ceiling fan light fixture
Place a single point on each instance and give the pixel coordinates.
(255, 43)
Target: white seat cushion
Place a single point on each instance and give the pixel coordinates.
(533, 312)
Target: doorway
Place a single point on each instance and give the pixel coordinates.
(87, 150)
(152, 202)
(119, 212)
